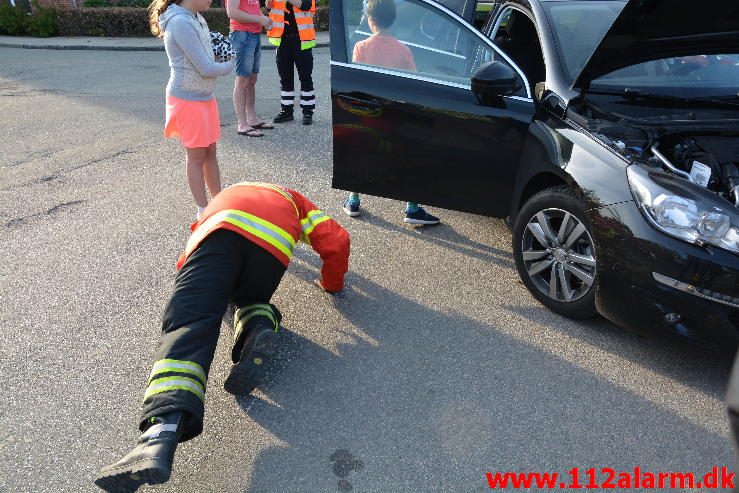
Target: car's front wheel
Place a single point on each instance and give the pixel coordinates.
(554, 252)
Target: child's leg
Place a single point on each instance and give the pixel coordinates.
(251, 113)
(212, 172)
(412, 207)
(255, 49)
(354, 197)
(195, 161)
(243, 60)
(239, 96)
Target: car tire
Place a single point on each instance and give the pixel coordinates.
(560, 252)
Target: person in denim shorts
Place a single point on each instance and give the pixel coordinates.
(247, 23)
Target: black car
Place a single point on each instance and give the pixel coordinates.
(606, 130)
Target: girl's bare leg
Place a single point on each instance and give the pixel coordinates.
(195, 163)
(212, 171)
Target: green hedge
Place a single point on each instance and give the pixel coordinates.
(126, 21)
(16, 22)
(104, 22)
(116, 3)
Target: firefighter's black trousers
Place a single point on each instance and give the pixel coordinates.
(226, 267)
(289, 56)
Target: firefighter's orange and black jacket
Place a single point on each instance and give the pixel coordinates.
(276, 218)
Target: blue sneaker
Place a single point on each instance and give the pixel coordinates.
(351, 207)
(420, 216)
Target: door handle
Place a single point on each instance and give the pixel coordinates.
(361, 103)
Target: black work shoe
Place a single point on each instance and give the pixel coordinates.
(150, 462)
(259, 347)
(307, 119)
(283, 116)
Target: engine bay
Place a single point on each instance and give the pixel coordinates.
(707, 158)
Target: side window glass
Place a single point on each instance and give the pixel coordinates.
(499, 28)
(410, 36)
(516, 36)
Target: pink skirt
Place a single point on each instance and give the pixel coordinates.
(196, 123)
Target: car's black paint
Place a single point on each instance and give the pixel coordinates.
(407, 139)
(630, 251)
(415, 140)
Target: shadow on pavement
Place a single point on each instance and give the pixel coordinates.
(445, 236)
(702, 369)
(423, 400)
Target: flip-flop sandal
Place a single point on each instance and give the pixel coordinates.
(263, 126)
(252, 132)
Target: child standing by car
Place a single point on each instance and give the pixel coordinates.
(246, 23)
(192, 110)
(383, 50)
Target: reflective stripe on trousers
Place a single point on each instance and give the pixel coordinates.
(172, 374)
(244, 314)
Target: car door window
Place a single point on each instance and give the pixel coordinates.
(515, 34)
(415, 38)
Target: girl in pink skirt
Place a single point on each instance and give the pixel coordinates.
(192, 110)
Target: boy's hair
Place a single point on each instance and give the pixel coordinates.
(382, 12)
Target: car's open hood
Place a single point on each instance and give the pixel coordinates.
(653, 29)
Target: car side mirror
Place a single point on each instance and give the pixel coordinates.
(493, 80)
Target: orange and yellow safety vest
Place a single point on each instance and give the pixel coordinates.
(303, 19)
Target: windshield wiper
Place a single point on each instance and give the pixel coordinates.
(633, 94)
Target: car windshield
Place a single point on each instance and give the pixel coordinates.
(578, 28)
(691, 77)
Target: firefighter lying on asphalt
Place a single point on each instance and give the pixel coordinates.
(238, 252)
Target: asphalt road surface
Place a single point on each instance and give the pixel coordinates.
(434, 366)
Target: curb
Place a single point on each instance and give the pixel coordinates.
(114, 48)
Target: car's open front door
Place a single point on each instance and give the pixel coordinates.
(406, 124)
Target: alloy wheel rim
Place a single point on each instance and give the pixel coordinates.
(559, 255)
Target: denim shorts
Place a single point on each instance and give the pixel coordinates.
(248, 48)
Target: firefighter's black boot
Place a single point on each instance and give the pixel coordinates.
(255, 333)
(150, 461)
(285, 115)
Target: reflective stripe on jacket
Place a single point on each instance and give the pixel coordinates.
(276, 218)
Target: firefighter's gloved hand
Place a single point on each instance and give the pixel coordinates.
(319, 283)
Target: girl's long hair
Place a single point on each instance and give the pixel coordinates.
(157, 8)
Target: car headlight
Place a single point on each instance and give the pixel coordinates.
(683, 210)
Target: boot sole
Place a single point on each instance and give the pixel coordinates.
(251, 369)
(129, 479)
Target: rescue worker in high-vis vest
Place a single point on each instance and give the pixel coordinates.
(294, 35)
(238, 251)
